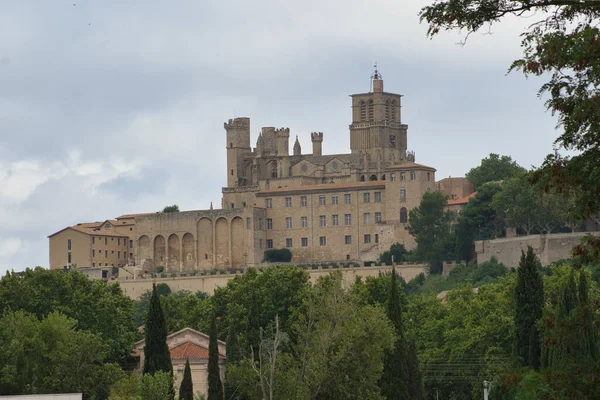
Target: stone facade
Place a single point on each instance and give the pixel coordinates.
(548, 248)
(334, 207)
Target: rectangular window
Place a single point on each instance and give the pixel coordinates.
(69, 244)
(402, 176)
(112, 252)
(247, 222)
(93, 239)
(118, 254)
(304, 221)
(269, 243)
(367, 218)
(429, 176)
(322, 241)
(69, 257)
(348, 239)
(392, 176)
(334, 199)
(105, 240)
(232, 205)
(376, 238)
(413, 175)
(322, 221)
(131, 256)
(367, 238)
(322, 200)
(268, 203)
(402, 194)
(347, 198)
(366, 197)
(260, 244)
(118, 241)
(105, 253)
(348, 219)
(304, 242)
(335, 221)
(377, 217)
(288, 202)
(93, 252)
(93, 265)
(288, 222)
(288, 242)
(377, 197)
(269, 223)
(303, 201)
(131, 244)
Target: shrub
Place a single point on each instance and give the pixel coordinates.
(278, 255)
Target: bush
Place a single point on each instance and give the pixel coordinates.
(278, 255)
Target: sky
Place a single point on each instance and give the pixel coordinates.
(114, 107)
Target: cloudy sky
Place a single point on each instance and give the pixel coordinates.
(112, 107)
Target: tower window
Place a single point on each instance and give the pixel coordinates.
(230, 145)
(393, 110)
(363, 111)
(371, 111)
(403, 215)
(387, 110)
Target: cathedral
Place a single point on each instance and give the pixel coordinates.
(323, 208)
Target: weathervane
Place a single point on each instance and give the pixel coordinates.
(375, 76)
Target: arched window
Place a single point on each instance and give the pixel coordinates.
(403, 215)
(373, 178)
(230, 145)
(362, 178)
(393, 110)
(387, 110)
(363, 111)
(383, 177)
(274, 169)
(371, 112)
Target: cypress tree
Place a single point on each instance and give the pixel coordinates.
(157, 356)
(233, 356)
(415, 379)
(529, 303)
(186, 390)
(215, 389)
(394, 380)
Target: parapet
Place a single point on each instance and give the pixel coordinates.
(282, 132)
(238, 123)
(316, 136)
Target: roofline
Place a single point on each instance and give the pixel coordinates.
(377, 185)
(181, 330)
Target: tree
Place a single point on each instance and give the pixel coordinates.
(518, 203)
(397, 253)
(415, 378)
(156, 351)
(186, 390)
(95, 306)
(529, 303)
(157, 386)
(494, 168)
(126, 388)
(215, 388)
(562, 45)
(395, 378)
(429, 223)
(171, 209)
(278, 255)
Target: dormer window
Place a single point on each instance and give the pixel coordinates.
(107, 226)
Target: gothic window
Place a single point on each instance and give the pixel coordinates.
(403, 215)
(373, 178)
(387, 110)
(362, 178)
(371, 112)
(274, 169)
(363, 111)
(393, 110)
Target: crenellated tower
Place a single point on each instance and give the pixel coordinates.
(317, 143)
(238, 145)
(377, 127)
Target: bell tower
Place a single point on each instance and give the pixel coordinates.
(238, 145)
(376, 126)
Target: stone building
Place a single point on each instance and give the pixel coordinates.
(332, 207)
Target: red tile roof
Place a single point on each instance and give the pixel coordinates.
(189, 351)
(464, 200)
(125, 216)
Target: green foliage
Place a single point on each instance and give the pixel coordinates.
(51, 356)
(126, 388)
(95, 306)
(562, 46)
(415, 378)
(156, 351)
(171, 209)
(186, 390)
(162, 289)
(215, 388)
(429, 223)
(494, 168)
(395, 377)
(157, 386)
(278, 255)
(529, 302)
(397, 252)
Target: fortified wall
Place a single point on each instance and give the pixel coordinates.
(134, 288)
(548, 248)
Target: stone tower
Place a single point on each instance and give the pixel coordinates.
(376, 128)
(317, 143)
(238, 145)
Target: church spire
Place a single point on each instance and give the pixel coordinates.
(297, 148)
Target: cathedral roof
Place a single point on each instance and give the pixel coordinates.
(322, 160)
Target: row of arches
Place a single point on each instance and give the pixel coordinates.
(215, 244)
(372, 178)
(367, 110)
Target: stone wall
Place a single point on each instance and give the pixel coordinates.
(548, 248)
(134, 288)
